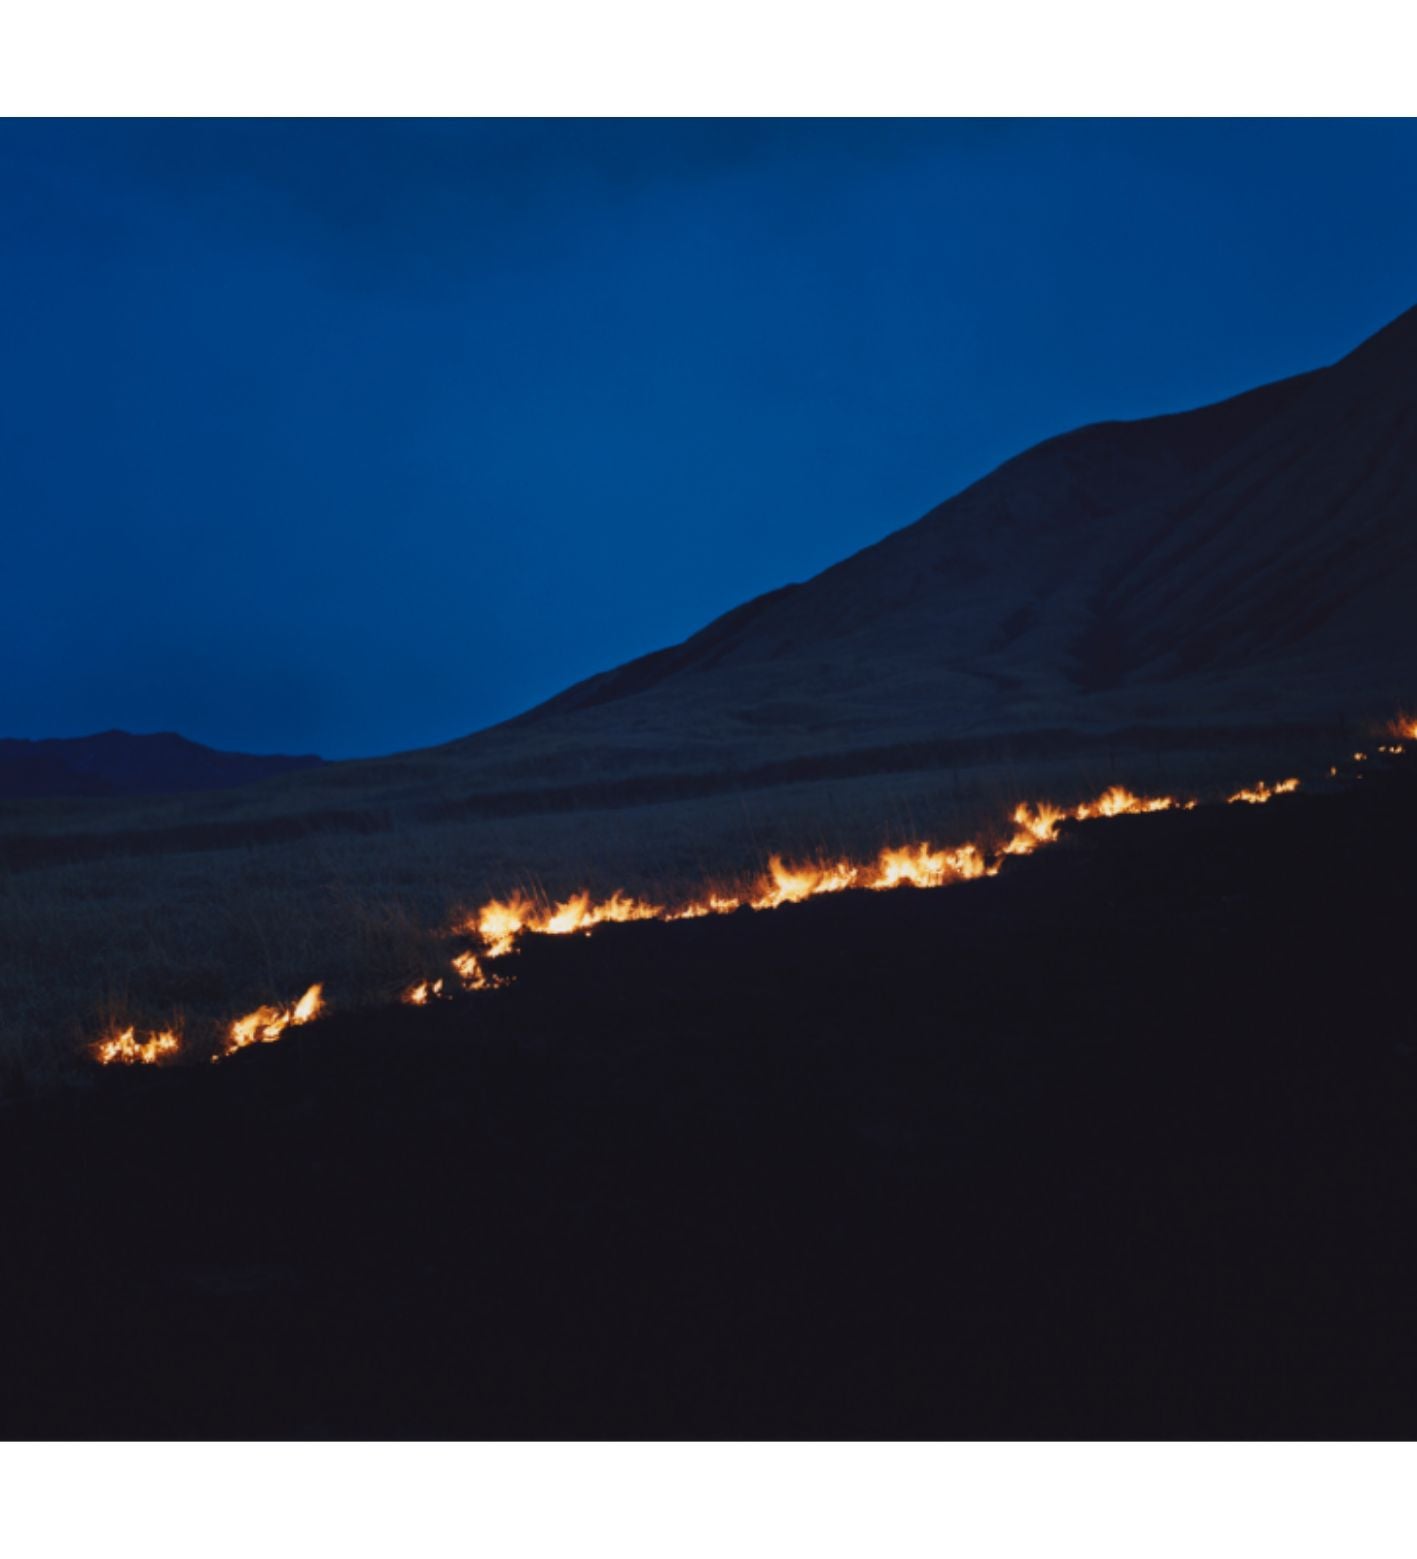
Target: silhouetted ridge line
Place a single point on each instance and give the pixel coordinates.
(119, 763)
(1250, 562)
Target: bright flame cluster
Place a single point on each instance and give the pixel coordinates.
(266, 1024)
(126, 1049)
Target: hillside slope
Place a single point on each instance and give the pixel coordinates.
(1252, 561)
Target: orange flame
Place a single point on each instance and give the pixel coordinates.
(1120, 802)
(126, 1050)
(266, 1024)
(922, 867)
(1258, 794)
(499, 923)
(1403, 728)
(1034, 826)
(468, 967)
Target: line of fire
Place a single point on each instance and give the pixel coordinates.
(497, 927)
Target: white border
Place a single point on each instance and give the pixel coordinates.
(709, 1501)
(730, 57)
(733, 57)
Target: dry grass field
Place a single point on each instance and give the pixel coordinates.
(190, 911)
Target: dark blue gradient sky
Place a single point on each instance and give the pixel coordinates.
(350, 437)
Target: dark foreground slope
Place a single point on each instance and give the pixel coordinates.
(1120, 1143)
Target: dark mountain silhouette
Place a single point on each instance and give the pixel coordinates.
(1249, 562)
(118, 763)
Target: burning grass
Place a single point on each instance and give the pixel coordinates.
(499, 924)
(1258, 794)
(266, 1024)
(196, 937)
(126, 1049)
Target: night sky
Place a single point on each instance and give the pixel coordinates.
(351, 437)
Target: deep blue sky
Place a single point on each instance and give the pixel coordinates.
(349, 437)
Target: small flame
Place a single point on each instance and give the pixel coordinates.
(579, 913)
(786, 884)
(1120, 802)
(1258, 794)
(266, 1024)
(126, 1050)
(1403, 728)
(1034, 826)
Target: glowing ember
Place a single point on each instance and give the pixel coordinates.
(266, 1024)
(1258, 794)
(713, 904)
(474, 977)
(126, 1050)
(421, 994)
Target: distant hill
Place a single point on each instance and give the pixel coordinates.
(118, 763)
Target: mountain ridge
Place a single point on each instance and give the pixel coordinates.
(125, 763)
(1247, 562)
